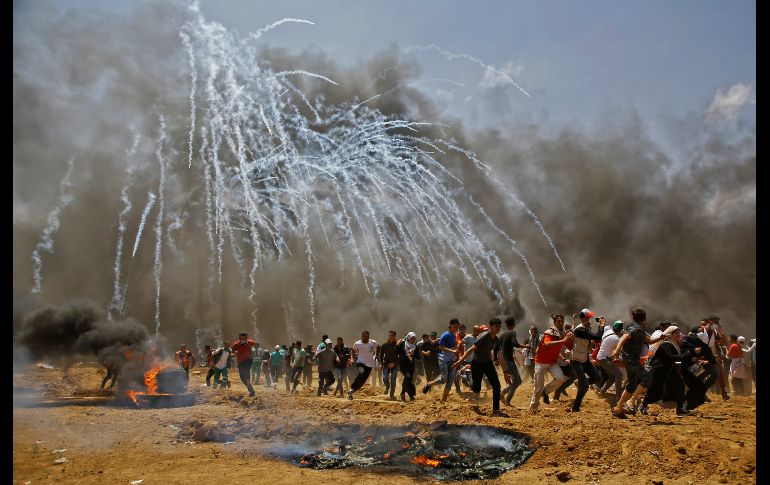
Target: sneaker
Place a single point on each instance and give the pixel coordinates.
(411, 398)
(498, 412)
(251, 393)
(545, 398)
(507, 401)
(643, 410)
(725, 396)
(350, 394)
(682, 411)
(426, 389)
(575, 409)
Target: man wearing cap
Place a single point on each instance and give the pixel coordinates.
(580, 350)
(610, 340)
(276, 359)
(242, 349)
(326, 358)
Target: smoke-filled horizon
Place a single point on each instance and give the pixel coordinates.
(273, 201)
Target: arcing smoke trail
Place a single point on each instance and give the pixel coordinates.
(159, 223)
(46, 241)
(118, 296)
(145, 213)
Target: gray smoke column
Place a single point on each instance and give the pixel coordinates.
(634, 223)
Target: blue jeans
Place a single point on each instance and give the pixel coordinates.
(583, 369)
(513, 370)
(338, 373)
(448, 374)
(389, 378)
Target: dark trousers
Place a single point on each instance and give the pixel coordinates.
(431, 370)
(209, 375)
(407, 386)
(696, 390)
(111, 374)
(486, 369)
(569, 378)
(513, 370)
(583, 369)
(296, 375)
(274, 371)
(363, 375)
(244, 371)
(666, 382)
(325, 380)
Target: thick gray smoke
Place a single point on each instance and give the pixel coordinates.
(634, 224)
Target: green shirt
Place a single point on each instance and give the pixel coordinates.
(298, 358)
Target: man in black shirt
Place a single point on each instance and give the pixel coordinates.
(343, 359)
(429, 354)
(388, 358)
(487, 343)
(508, 342)
(630, 349)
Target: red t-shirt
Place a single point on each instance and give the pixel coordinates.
(243, 350)
(547, 355)
(735, 351)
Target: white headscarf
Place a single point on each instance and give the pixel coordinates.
(407, 345)
(668, 335)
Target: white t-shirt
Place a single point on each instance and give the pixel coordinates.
(366, 352)
(609, 343)
(222, 362)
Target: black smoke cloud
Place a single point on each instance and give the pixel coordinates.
(76, 328)
(634, 224)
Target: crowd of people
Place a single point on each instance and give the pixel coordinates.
(671, 363)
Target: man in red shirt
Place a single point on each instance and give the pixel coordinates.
(546, 358)
(242, 349)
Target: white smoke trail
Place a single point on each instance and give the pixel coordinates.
(451, 56)
(118, 295)
(52, 225)
(159, 222)
(194, 82)
(143, 220)
(256, 35)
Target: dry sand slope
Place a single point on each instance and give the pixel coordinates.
(118, 445)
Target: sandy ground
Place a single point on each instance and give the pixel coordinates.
(118, 445)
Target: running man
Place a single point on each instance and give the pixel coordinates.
(185, 359)
(364, 354)
(482, 365)
(447, 356)
(242, 349)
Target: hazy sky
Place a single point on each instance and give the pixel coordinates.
(574, 58)
(577, 60)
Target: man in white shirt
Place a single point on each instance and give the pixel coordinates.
(610, 340)
(364, 352)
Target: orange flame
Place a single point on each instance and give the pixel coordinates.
(387, 455)
(406, 445)
(424, 460)
(150, 381)
(303, 461)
